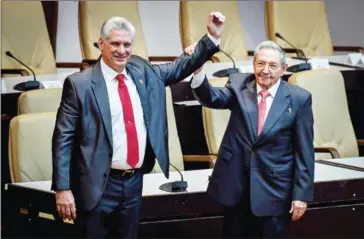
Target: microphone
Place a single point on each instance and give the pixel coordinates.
(176, 186)
(300, 54)
(28, 85)
(228, 71)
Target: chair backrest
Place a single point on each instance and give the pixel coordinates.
(193, 16)
(38, 101)
(302, 23)
(30, 144)
(174, 145)
(91, 16)
(215, 121)
(24, 33)
(332, 123)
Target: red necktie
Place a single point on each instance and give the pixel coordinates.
(262, 108)
(131, 134)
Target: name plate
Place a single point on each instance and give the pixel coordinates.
(356, 58)
(319, 63)
(246, 68)
(50, 84)
(3, 86)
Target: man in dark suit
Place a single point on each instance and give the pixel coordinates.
(110, 127)
(265, 165)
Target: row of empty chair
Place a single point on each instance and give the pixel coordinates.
(22, 20)
(31, 131)
(30, 137)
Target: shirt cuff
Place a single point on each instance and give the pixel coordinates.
(213, 39)
(198, 79)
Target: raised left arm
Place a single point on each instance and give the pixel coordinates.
(186, 64)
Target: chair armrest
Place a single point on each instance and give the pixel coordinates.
(360, 142)
(201, 158)
(334, 153)
(349, 48)
(21, 72)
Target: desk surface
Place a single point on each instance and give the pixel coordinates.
(198, 179)
(9, 82)
(349, 161)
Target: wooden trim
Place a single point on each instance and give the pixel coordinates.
(360, 142)
(162, 58)
(21, 72)
(349, 48)
(69, 64)
(50, 9)
(334, 153)
(286, 50)
(198, 158)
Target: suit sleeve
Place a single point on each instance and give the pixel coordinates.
(185, 64)
(63, 137)
(304, 154)
(212, 97)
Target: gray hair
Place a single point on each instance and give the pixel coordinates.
(116, 23)
(271, 45)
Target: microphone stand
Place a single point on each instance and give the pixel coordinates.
(299, 67)
(28, 85)
(176, 186)
(228, 71)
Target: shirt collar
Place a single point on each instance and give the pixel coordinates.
(272, 90)
(109, 73)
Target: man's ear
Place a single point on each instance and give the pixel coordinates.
(100, 44)
(284, 68)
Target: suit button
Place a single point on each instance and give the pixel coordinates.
(105, 175)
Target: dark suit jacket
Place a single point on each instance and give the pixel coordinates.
(82, 140)
(279, 162)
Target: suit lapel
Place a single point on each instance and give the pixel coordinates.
(102, 99)
(279, 105)
(251, 103)
(139, 81)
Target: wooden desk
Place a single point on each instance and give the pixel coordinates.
(338, 193)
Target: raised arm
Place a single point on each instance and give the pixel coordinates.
(212, 97)
(185, 65)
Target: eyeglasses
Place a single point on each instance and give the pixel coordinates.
(262, 64)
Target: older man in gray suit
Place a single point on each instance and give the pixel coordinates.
(265, 165)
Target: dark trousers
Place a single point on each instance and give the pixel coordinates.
(240, 222)
(118, 212)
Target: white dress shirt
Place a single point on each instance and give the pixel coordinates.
(269, 99)
(198, 79)
(119, 158)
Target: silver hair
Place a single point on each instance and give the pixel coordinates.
(116, 23)
(271, 45)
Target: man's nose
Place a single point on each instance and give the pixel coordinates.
(121, 49)
(266, 69)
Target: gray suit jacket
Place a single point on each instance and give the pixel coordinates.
(82, 140)
(279, 163)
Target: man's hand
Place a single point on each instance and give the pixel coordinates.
(66, 206)
(215, 24)
(190, 49)
(298, 208)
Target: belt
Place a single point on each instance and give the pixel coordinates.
(124, 173)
